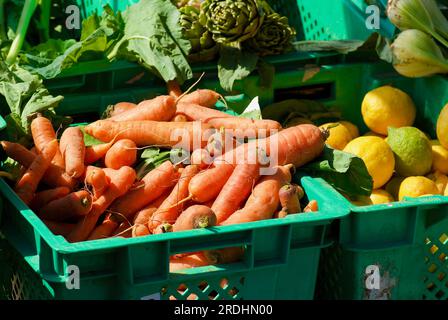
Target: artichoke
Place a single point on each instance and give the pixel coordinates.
(232, 21)
(203, 47)
(274, 36)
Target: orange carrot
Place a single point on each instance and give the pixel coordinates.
(188, 262)
(142, 217)
(43, 133)
(180, 118)
(196, 112)
(236, 190)
(54, 176)
(156, 182)
(34, 150)
(264, 200)
(104, 230)
(124, 230)
(120, 183)
(42, 198)
(174, 89)
(97, 179)
(170, 209)
(28, 183)
(122, 153)
(96, 152)
(161, 108)
(222, 256)
(202, 158)
(195, 217)
(206, 185)
(73, 151)
(121, 107)
(146, 133)
(203, 97)
(312, 206)
(289, 200)
(59, 228)
(246, 128)
(72, 206)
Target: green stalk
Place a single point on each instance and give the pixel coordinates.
(27, 12)
(45, 10)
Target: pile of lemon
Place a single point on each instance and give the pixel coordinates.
(402, 160)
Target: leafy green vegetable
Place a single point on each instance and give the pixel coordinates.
(154, 157)
(344, 171)
(25, 95)
(88, 139)
(153, 36)
(235, 64)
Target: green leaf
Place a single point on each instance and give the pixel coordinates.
(88, 139)
(235, 64)
(150, 153)
(253, 110)
(154, 37)
(344, 171)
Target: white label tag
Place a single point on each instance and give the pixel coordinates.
(154, 296)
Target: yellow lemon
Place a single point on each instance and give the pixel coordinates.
(374, 134)
(339, 135)
(440, 179)
(442, 127)
(387, 107)
(380, 196)
(439, 157)
(354, 131)
(378, 157)
(417, 186)
(393, 186)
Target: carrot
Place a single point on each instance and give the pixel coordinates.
(104, 230)
(43, 133)
(54, 176)
(289, 200)
(42, 198)
(202, 158)
(27, 185)
(196, 112)
(142, 217)
(170, 209)
(246, 128)
(122, 153)
(124, 230)
(146, 133)
(34, 150)
(222, 256)
(73, 151)
(121, 107)
(96, 152)
(203, 97)
(96, 177)
(120, 183)
(156, 182)
(312, 206)
(174, 89)
(264, 200)
(236, 190)
(161, 108)
(179, 118)
(206, 185)
(195, 217)
(59, 228)
(74, 205)
(188, 262)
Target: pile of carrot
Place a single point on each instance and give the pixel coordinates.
(92, 192)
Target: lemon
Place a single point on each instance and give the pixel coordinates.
(353, 129)
(374, 134)
(393, 186)
(440, 179)
(439, 157)
(387, 107)
(339, 135)
(377, 156)
(380, 196)
(417, 186)
(412, 150)
(442, 127)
